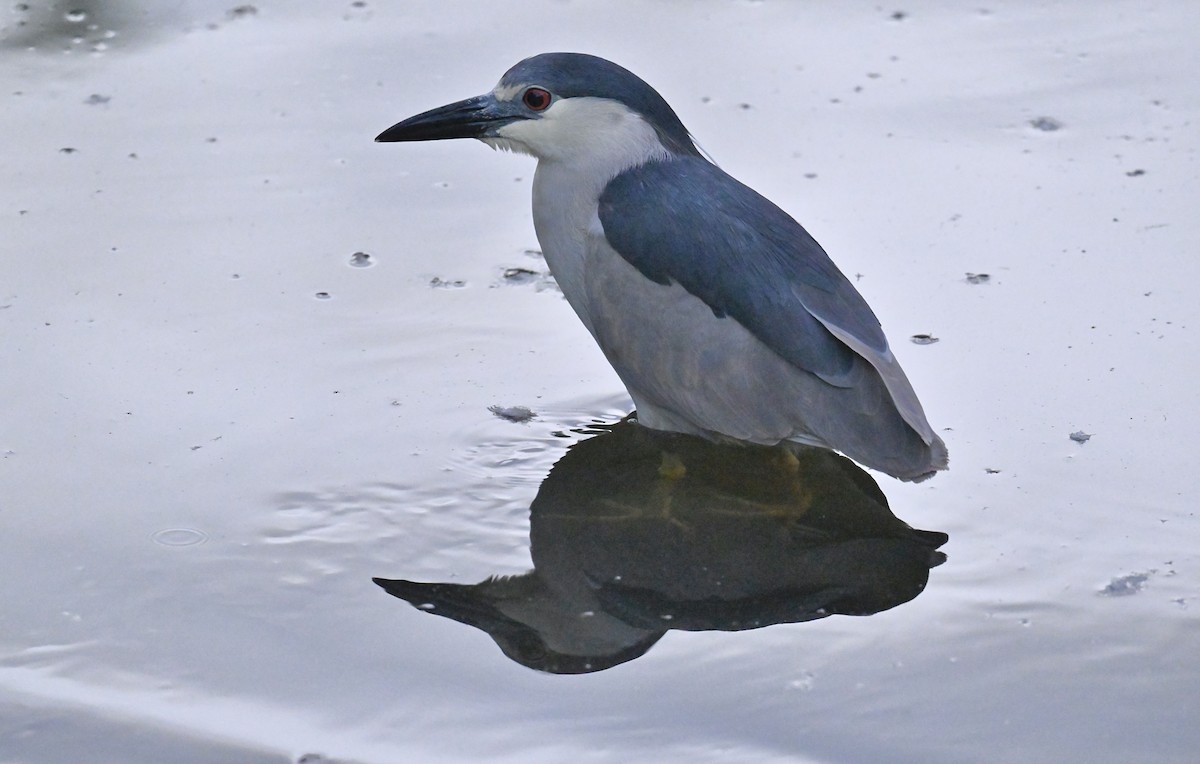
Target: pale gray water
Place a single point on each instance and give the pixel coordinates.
(216, 426)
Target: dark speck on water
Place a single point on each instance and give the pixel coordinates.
(519, 414)
(978, 278)
(1135, 173)
(95, 99)
(1126, 585)
(361, 260)
(323, 295)
(1079, 436)
(440, 283)
(1045, 124)
(923, 339)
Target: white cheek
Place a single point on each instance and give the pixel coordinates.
(594, 133)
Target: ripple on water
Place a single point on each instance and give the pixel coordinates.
(469, 512)
(179, 537)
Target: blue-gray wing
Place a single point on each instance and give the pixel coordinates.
(686, 221)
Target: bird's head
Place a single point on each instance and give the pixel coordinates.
(559, 106)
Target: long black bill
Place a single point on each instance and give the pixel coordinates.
(472, 118)
(464, 604)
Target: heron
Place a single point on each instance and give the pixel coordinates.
(721, 314)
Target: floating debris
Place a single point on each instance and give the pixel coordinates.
(520, 275)
(518, 414)
(1079, 436)
(991, 470)
(242, 11)
(68, 150)
(95, 99)
(1127, 585)
(1045, 124)
(440, 283)
(361, 260)
(1135, 173)
(323, 295)
(923, 339)
(978, 278)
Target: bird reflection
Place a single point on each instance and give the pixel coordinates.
(636, 532)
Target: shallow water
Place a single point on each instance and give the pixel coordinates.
(216, 426)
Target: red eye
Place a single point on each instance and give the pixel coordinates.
(536, 99)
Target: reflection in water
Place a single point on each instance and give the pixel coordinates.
(636, 532)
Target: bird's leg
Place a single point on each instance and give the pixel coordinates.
(671, 470)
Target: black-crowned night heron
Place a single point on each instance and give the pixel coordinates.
(720, 313)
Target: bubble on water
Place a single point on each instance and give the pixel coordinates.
(179, 537)
(361, 260)
(805, 682)
(76, 16)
